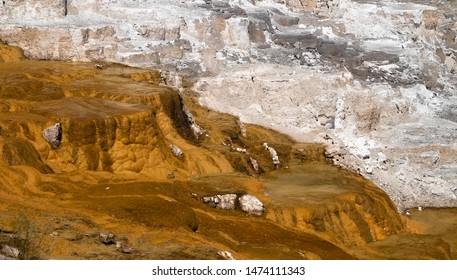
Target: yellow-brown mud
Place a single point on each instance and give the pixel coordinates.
(110, 175)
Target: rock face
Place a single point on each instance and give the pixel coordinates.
(373, 77)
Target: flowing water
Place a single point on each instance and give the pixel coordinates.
(114, 172)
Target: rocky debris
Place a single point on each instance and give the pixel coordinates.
(195, 128)
(254, 164)
(382, 161)
(226, 255)
(247, 203)
(10, 251)
(274, 155)
(107, 238)
(171, 175)
(251, 204)
(120, 244)
(5, 258)
(177, 152)
(222, 201)
(243, 130)
(53, 135)
(286, 20)
(241, 150)
(72, 236)
(228, 142)
(125, 250)
(121, 247)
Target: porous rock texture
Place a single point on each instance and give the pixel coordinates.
(374, 80)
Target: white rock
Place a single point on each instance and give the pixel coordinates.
(241, 150)
(177, 152)
(221, 201)
(251, 204)
(243, 130)
(274, 155)
(254, 163)
(226, 255)
(382, 157)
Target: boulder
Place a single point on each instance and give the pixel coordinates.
(53, 135)
(107, 238)
(251, 204)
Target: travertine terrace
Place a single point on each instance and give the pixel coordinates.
(372, 82)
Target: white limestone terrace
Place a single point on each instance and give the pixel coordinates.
(373, 80)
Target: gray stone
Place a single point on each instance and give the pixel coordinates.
(331, 48)
(107, 239)
(286, 21)
(128, 250)
(53, 135)
(255, 31)
(251, 204)
(304, 41)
